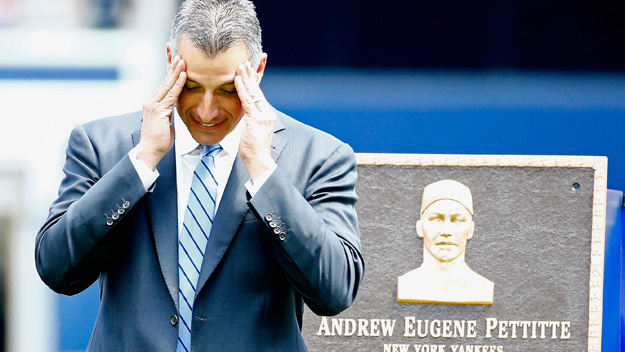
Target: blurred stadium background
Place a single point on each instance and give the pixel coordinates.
(480, 76)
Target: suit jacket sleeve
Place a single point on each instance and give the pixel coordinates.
(76, 240)
(314, 228)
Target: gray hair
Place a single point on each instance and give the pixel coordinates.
(218, 25)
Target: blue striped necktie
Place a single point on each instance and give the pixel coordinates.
(197, 224)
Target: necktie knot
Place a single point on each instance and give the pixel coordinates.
(211, 150)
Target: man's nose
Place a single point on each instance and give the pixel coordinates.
(446, 229)
(207, 109)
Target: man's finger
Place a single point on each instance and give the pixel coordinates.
(172, 95)
(247, 102)
(170, 81)
(254, 99)
(251, 83)
(170, 70)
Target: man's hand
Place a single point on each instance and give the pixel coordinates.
(260, 121)
(157, 132)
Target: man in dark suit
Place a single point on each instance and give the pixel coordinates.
(285, 229)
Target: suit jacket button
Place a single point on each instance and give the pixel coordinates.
(268, 217)
(282, 236)
(273, 224)
(173, 320)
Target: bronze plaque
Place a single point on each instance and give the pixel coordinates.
(475, 253)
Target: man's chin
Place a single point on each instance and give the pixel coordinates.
(446, 255)
(207, 138)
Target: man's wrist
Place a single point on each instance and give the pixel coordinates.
(148, 156)
(148, 176)
(253, 186)
(259, 167)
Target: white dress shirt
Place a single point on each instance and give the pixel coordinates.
(188, 156)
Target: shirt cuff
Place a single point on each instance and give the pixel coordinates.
(253, 187)
(147, 176)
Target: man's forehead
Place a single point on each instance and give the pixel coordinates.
(214, 71)
(226, 82)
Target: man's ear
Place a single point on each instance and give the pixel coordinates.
(419, 227)
(261, 67)
(470, 234)
(169, 56)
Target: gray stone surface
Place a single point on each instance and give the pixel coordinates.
(532, 239)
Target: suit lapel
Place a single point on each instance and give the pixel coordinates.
(232, 208)
(162, 208)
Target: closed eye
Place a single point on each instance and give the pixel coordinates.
(229, 91)
(188, 87)
(435, 218)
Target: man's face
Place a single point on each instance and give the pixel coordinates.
(209, 104)
(445, 227)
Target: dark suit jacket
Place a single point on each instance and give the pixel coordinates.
(256, 274)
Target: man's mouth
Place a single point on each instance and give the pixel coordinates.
(214, 123)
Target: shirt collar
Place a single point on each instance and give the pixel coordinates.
(185, 143)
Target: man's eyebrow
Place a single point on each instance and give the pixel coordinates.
(229, 83)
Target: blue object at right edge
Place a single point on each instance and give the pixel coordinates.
(612, 278)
